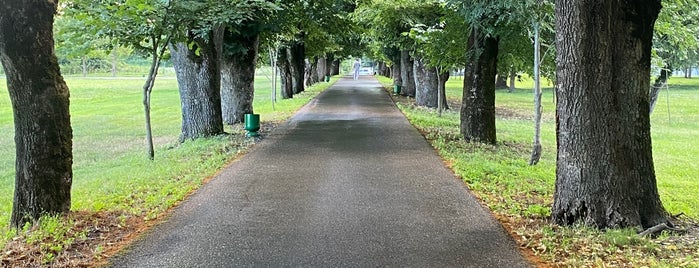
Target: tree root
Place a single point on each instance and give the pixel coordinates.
(652, 231)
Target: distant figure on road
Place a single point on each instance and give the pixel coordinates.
(357, 66)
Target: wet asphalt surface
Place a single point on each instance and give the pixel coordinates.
(347, 182)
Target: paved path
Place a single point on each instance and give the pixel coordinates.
(348, 182)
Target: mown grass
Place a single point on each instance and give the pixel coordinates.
(111, 171)
(521, 195)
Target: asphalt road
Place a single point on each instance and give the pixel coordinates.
(347, 182)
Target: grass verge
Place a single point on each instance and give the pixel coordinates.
(117, 192)
(520, 196)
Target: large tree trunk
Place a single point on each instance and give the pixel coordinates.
(238, 79)
(311, 72)
(478, 103)
(297, 63)
(329, 65)
(406, 73)
(285, 78)
(40, 101)
(604, 173)
(335, 70)
(396, 71)
(199, 80)
(322, 69)
(660, 82)
(426, 84)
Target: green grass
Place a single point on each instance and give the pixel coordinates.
(522, 195)
(111, 170)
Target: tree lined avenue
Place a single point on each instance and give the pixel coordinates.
(601, 57)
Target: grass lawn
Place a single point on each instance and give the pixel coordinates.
(521, 195)
(112, 174)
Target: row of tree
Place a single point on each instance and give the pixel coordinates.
(415, 40)
(602, 67)
(214, 47)
(603, 51)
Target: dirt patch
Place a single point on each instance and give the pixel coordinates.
(91, 237)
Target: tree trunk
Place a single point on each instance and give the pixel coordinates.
(426, 84)
(385, 71)
(660, 82)
(310, 72)
(114, 62)
(604, 173)
(537, 150)
(321, 69)
(443, 78)
(238, 79)
(40, 101)
(500, 81)
(478, 103)
(406, 73)
(442, 81)
(335, 67)
(157, 51)
(396, 71)
(84, 65)
(513, 76)
(285, 78)
(297, 62)
(199, 80)
(329, 65)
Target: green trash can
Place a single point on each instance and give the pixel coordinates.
(396, 89)
(327, 78)
(252, 125)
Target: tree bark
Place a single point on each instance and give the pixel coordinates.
(443, 78)
(604, 174)
(427, 85)
(329, 65)
(513, 76)
(335, 67)
(322, 69)
(406, 73)
(311, 72)
(660, 82)
(441, 100)
(40, 101)
(297, 62)
(478, 103)
(238, 78)
(285, 78)
(396, 71)
(199, 81)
